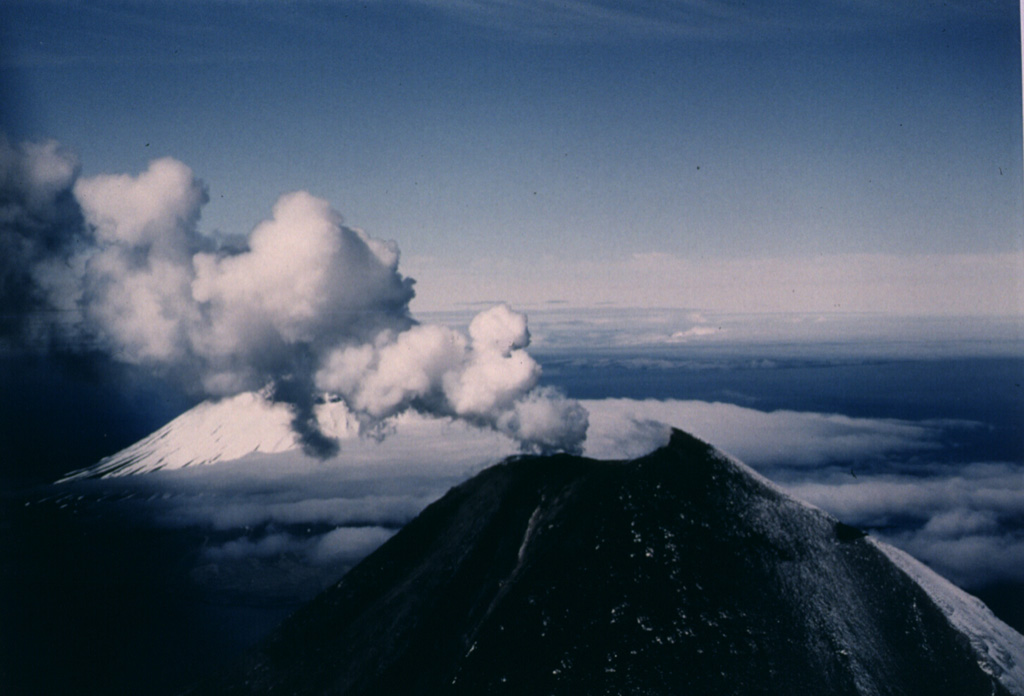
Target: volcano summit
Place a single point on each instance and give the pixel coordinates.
(679, 572)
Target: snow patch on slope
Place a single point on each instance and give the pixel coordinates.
(217, 431)
(256, 434)
(999, 648)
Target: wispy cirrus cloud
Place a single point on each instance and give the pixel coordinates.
(697, 19)
(195, 31)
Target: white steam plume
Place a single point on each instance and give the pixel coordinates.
(307, 307)
(488, 379)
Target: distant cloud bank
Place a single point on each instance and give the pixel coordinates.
(965, 284)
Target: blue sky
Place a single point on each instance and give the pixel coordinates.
(533, 152)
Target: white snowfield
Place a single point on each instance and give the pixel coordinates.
(216, 432)
(213, 431)
(999, 648)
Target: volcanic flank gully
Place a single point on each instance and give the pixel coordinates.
(682, 572)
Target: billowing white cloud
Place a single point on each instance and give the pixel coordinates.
(156, 291)
(305, 280)
(158, 209)
(305, 284)
(546, 420)
(488, 379)
(305, 308)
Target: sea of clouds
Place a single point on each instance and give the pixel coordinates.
(885, 475)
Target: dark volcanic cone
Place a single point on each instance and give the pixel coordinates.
(678, 573)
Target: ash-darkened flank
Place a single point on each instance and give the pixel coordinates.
(680, 572)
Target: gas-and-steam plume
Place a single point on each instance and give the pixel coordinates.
(306, 308)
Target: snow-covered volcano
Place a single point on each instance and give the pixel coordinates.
(250, 424)
(234, 428)
(217, 431)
